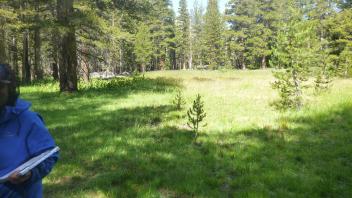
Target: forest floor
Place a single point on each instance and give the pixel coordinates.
(124, 138)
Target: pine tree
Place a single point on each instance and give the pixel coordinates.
(162, 27)
(143, 46)
(197, 34)
(196, 115)
(339, 31)
(38, 70)
(251, 32)
(318, 13)
(68, 48)
(212, 37)
(240, 15)
(8, 22)
(345, 62)
(3, 56)
(179, 100)
(183, 35)
(295, 54)
(266, 18)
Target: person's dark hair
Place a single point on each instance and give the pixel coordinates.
(8, 76)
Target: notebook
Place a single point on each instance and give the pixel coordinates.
(24, 168)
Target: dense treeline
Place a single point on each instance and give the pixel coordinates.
(72, 38)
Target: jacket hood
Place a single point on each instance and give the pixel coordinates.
(13, 111)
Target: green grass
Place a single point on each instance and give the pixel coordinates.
(127, 139)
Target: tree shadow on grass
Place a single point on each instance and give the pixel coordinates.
(131, 153)
(107, 88)
(128, 140)
(311, 159)
(65, 109)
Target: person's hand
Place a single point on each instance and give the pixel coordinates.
(16, 178)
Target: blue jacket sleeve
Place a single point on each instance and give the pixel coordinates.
(43, 169)
(39, 140)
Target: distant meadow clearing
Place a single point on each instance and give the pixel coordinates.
(125, 138)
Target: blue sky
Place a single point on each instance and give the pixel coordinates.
(203, 2)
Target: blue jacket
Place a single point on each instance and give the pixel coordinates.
(23, 135)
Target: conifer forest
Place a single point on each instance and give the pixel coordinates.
(69, 39)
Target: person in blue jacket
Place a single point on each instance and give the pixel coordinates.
(23, 135)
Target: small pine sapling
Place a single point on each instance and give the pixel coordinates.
(322, 83)
(294, 66)
(345, 62)
(179, 101)
(326, 63)
(196, 115)
(290, 90)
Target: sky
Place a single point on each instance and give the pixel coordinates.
(190, 3)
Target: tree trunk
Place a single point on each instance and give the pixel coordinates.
(190, 60)
(68, 62)
(67, 55)
(15, 54)
(298, 91)
(3, 57)
(55, 37)
(85, 65)
(264, 62)
(162, 63)
(183, 62)
(120, 59)
(85, 69)
(243, 64)
(55, 70)
(38, 70)
(156, 64)
(26, 68)
(143, 67)
(173, 58)
(55, 56)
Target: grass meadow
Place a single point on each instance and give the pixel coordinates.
(126, 139)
